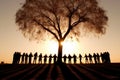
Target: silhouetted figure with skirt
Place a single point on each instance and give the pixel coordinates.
(69, 58)
(75, 58)
(80, 58)
(35, 58)
(40, 59)
(50, 58)
(23, 58)
(64, 58)
(45, 59)
(30, 57)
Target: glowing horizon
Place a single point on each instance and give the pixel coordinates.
(69, 46)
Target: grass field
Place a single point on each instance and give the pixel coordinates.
(60, 71)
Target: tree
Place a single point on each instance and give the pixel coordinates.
(60, 18)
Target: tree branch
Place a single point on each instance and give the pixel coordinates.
(57, 28)
(51, 21)
(46, 29)
(69, 28)
(81, 19)
(67, 6)
(58, 25)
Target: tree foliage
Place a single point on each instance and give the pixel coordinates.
(60, 18)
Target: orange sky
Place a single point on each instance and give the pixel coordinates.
(12, 40)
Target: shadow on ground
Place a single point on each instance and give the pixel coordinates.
(60, 71)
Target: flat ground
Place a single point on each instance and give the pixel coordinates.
(60, 72)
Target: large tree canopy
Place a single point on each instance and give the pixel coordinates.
(60, 18)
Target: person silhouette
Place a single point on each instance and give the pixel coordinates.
(18, 56)
(74, 57)
(54, 57)
(50, 58)
(108, 57)
(15, 58)
(45, 59)
(95, 58)
(64, 58)
(98, 58)
(26, 58)
(23, 58)
(105, 57)
(69, 59)
(90, 58)
(40, 59)
(86, 59)
(80, 58)
(102, 57)
(35, 58)
(30, 57)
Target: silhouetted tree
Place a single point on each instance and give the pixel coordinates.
(60, 18)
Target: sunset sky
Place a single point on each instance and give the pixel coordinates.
(11, 39)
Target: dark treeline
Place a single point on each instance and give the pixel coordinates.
(36, 58)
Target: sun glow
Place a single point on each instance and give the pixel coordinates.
(69, 47)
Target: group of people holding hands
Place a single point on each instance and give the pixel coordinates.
(30, 58)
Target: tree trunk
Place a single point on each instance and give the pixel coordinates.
(60, 47)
